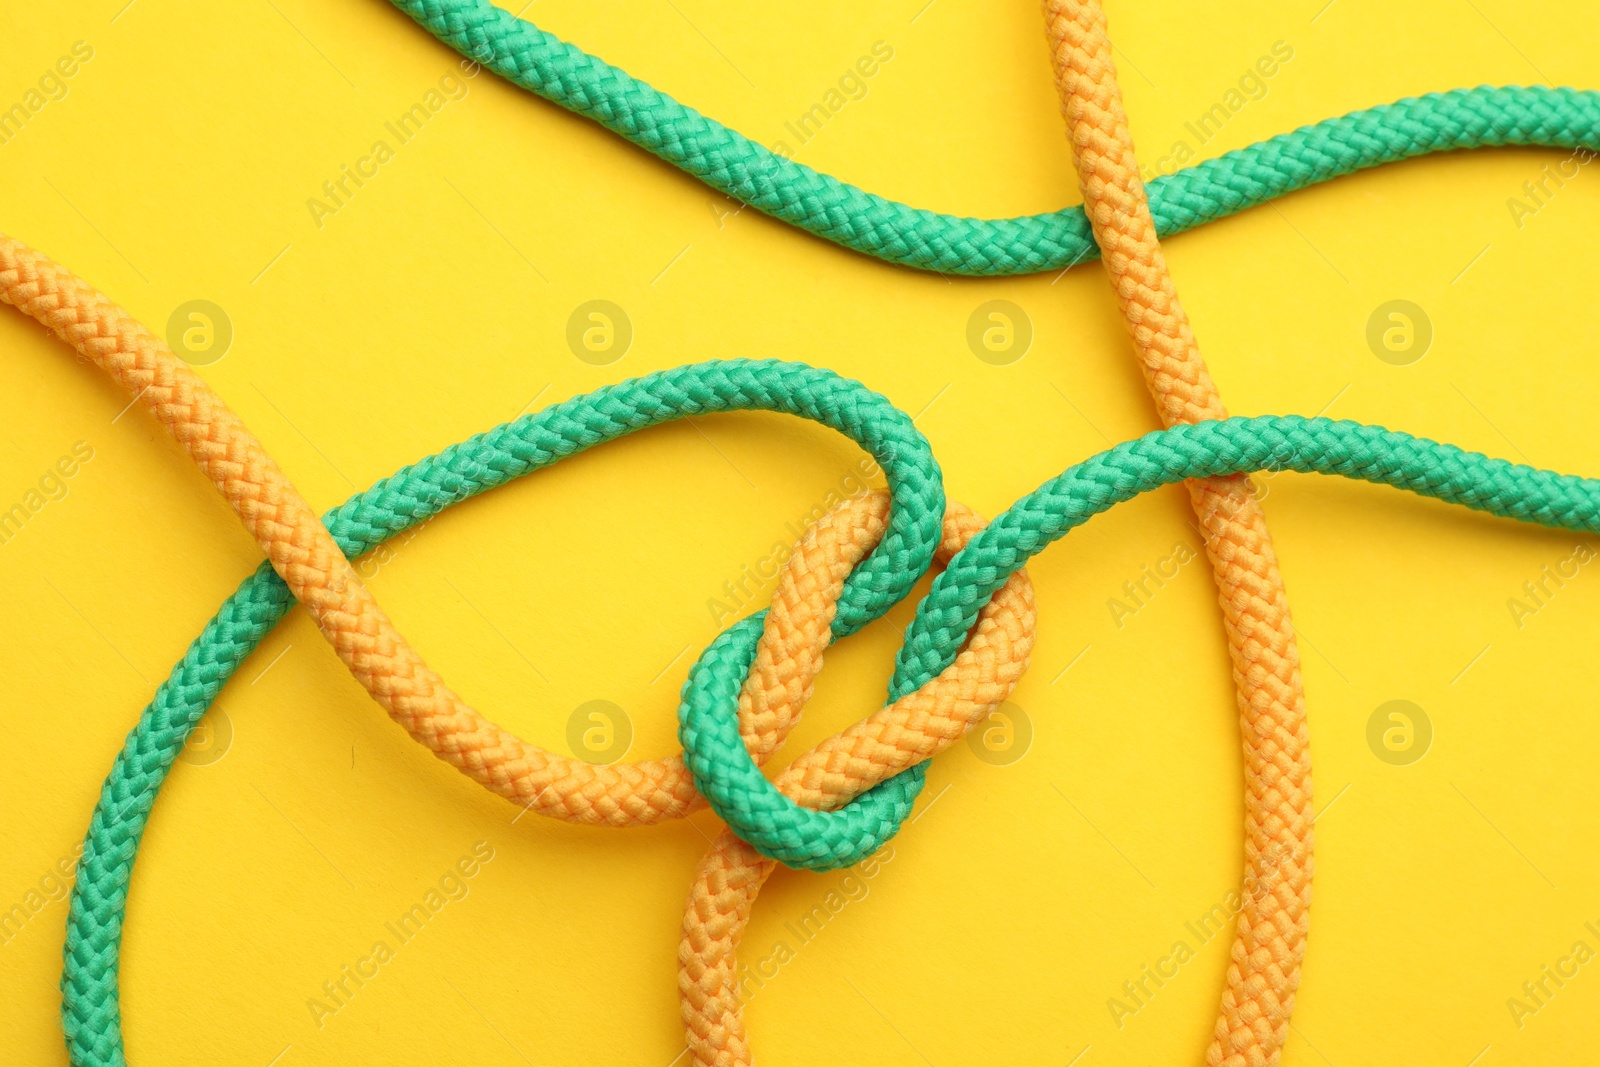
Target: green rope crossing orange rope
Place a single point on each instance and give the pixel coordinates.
(969, 641)
(726, 773)
(823, 205)
(1270, 939)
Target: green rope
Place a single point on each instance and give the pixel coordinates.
(733, 164)
(821, 840)
(722, 769)
(91, 1015)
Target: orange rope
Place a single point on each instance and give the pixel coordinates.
(305, 555)
(914, 728)
(1270, 942)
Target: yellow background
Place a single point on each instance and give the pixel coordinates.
(434, 305)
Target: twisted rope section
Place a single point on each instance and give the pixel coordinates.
(1270, 941)
(908, 732)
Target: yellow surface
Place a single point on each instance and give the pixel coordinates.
(178, 165)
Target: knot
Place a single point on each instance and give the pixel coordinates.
(856, 788)
(840, 801)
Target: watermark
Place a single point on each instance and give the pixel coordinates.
(51, 888)
(370, 564)
(210, 739)
(1539, 991)
(1538, 193)
(599, 731)
(1004, 737)
(599, 332)
(1257, 485)
(200, 332)
(1538, 592)
(999, 332)
(1254, 488)
(452, 886)
(852, 887)
(1137, 593)
(760, 176)
(53, 485)
(51, 87)
(337, 192)
(1138, 992)
(757, 577)
(1399, 733)
(1252, 87)
(728, 209)
(852, 85)
(1399, 332)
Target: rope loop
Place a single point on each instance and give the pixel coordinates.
(856, 789)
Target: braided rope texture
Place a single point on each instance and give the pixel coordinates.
(303, 552)
(298, 568)
(944, 618)
(823, 205)
(1270, 939)
(908, 732)
(297, 545)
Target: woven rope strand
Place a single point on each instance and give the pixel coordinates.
(1269, 942)
(305, 555)
(909, 731)
(820, 204)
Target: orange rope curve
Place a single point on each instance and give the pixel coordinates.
(311, 564)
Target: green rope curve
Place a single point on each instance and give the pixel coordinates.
(723, 771)
(821, 840)
(733, 164)
(90, 1010)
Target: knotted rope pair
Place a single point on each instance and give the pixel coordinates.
(943, 621)
(946, 619)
